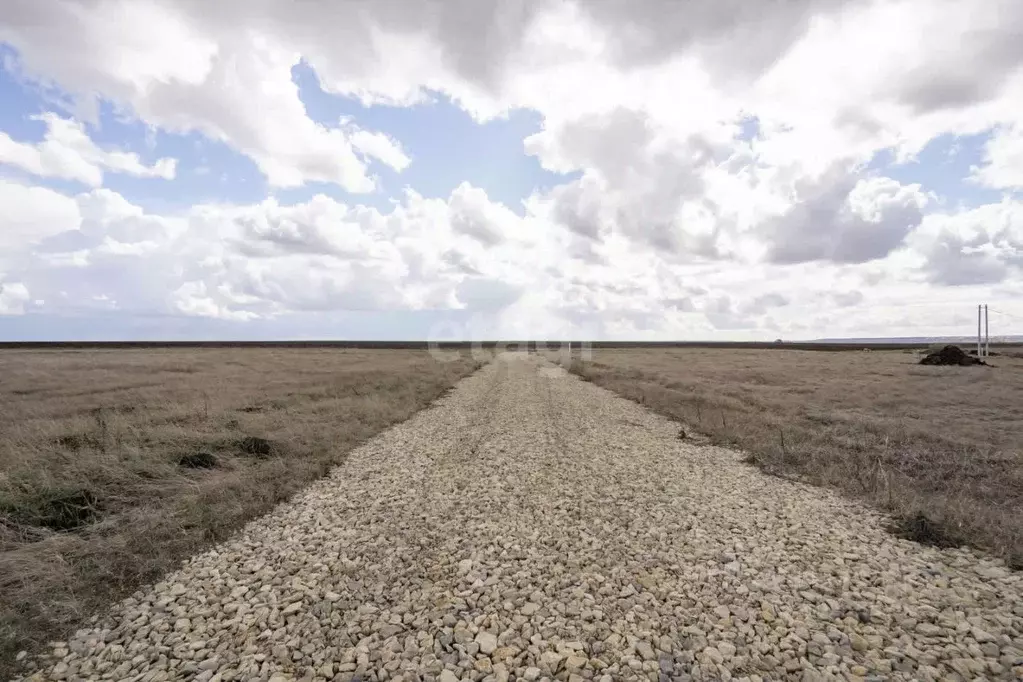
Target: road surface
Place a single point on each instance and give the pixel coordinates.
(533, 526)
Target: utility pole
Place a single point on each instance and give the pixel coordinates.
(979, 307)
(987, 338)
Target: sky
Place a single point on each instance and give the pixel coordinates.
(512, 169)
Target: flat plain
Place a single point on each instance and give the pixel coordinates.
(533, 526)
(115, 465)
(939, 448)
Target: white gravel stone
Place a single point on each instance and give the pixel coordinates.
(487, 642)
(531, 525)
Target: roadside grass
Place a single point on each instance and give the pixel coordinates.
(115, 465)
(938, 448)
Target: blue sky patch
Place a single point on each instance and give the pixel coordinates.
(943, 167)
(445, 144)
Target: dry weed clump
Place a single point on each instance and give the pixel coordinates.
(117, 464)
(939, 448)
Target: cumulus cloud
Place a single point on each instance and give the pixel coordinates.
(379, 146)
(31, 214)
(976, 70)
(474, 215)
(191, 298)
(1002, 167)
(976, 246)
(846, 299)
(641, 180)
(319, 226)
(844, 219)
(260, 260)
(713, 28)
(13, 297)
(233, 84)
(67, 152)
(716, 147)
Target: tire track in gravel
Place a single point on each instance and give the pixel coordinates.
(533, 526)
(479, 426)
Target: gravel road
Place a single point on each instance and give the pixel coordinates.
(531, 526)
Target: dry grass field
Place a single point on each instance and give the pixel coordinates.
(940, 448)
(117, 464)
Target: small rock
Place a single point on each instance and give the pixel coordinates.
(713, 654)
(981, 636)
(487, 642)
(645, 651)
(529, 608)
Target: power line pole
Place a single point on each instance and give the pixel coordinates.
(987, 338)
(978, 329)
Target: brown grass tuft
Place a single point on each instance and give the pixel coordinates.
(117, 464)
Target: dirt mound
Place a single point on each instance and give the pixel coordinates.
(950, 355)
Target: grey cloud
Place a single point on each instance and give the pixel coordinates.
(483, 293)
(761, 304)
(474, 224)
(721, 313)
(357, 287)
(233, 85)
(608, 142)
(614, 288)
(681, 304)
(984, 259)
(266, 236)
(478, 39)
(66, 242)
(475, 39)
(735, 36)
(472, 214)
(846, 299)
(586, 251)
(460, 262)
(857, 119)
(642, 187)
(577, 207)
(972, 70)
(822, 224)
(872, 277)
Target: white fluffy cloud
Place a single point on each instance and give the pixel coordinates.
(67, 152)
(232, 83)
(13, 297)
(31, 214)
(844, 219)
(724, 158)
(268, 260)
(1003, 159)
(983, 245)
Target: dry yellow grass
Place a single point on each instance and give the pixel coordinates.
(102, 485)
(940, 448)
